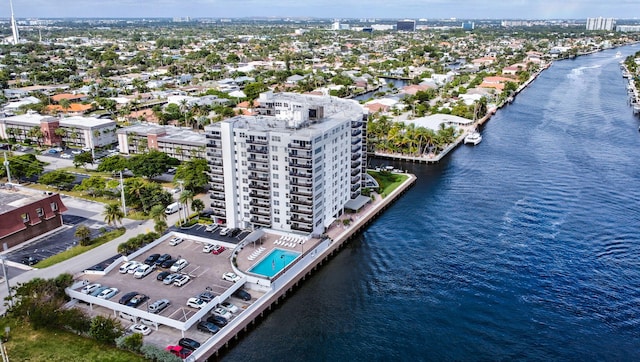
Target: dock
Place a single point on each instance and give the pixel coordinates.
(337, 236)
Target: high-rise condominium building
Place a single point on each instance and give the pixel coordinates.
(600, 24)
(406, 25)
(293, 167)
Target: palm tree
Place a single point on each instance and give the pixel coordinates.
(62, 133)
(185, 197)
(158, 215)
(113, 214)
(65, 104)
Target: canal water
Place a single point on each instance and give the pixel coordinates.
(524, 247)
(390, 83)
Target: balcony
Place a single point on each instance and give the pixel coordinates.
(217, 205)
(302, 201)
(298, 227)
(211, 136)
(216, 179)
(216, 170)
(301, 193)
(257, 186)
(301, 183)
(355, 141)
(300, 165)
(254, 141)
(262, 168)
(257, 177)
(259, 203)
(302, 211)
(300, 154)
(356, 132)
(255, 211)
(259, 195)
(355, 179)
(355, 164)
(355, 187)
(300, 174)
(215, 162)
(298, 146)
(261, 223)
(219, 213)
(355, 149)
(262, 150)
(356, 124)
(217, 187)
(355, 171)
(301, 219)
(216, 197)
(258, 159)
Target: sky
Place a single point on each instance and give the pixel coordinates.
(414, 9)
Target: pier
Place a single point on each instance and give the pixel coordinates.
(336, 237)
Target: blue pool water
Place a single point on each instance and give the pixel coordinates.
(275, 261)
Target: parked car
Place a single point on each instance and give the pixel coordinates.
(88, 289)
(140, 328)
(97, 291)
(136, 300)
(211, 227)
(208, 327)
(229, 306)
(128, 317)
(175, 241)
(143, 271)
(189, 343)
(30, 260)
(151, 259)
(76, 152)
(242, 294)
(181, 280)
(158, 306)
(218, 249)
(224, 231)
(207, 248)
(52, 151)
(65, 155)
(124, 268)
(179, 265)
(162, 259)
(168, 263)
(170, 278)
(217, 320)
(231, 277)
(234, 232)
(196, 303)
(108, 293)
(127, 297)
(179, 351)
(206, 296)
(221, 312)
(163, 275)
(133, 267)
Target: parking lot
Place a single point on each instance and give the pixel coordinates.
(205, 271)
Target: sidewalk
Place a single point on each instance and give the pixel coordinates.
(83, 261)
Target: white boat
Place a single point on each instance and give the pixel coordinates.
(473, 138)
(618, 55)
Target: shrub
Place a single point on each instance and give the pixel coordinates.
(132, 342)
(105, 330)
(154, 353)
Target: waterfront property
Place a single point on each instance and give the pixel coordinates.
(293, 167)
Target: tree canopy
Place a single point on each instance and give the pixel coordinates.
(193, 173)
(151, 164)
(57, 178)
(23, 166)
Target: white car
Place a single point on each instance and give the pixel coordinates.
(175, 241)
(211, 227)
(133, 267)
(230, 307)
(181, 280)
(179, 265)
(207, 248)
(108, 293)
(76, 152)
(124, 268)
(231, 277)
(143, 271)
(65, 155)
(90, 288)
(140, 328)
(224, 231)
(196, 303)
(221, 312)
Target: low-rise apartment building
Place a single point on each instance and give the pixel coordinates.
(183, 144)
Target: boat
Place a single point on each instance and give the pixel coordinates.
(618, 55)
(473, 138)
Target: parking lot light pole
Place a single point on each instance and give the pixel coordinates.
(6, 166)
(124, 205)
(6, 279)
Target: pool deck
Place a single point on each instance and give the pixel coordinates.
(315, 252)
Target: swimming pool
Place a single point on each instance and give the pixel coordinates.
(273, 262)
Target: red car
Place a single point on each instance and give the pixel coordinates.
(179, 351)
(217, 249)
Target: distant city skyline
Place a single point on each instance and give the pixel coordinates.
(414, 9)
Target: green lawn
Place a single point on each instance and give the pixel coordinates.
(388, 181)
(77, 250)
(26, 344)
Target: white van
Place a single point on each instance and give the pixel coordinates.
(173, 208)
